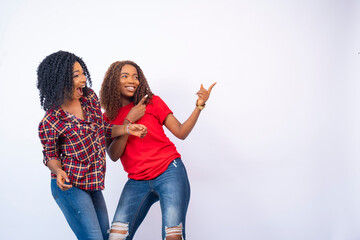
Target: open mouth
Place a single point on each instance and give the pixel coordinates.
(80, 90)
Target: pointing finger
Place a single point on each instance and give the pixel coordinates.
(210, 88)
(143, 100)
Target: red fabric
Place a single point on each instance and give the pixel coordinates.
(148, 157)
(78, 144)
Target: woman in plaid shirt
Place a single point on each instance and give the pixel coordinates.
(72, 133)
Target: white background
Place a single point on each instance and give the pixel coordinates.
(275, 154)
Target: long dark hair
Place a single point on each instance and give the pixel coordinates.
(110, 89)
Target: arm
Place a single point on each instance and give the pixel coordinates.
(115, 147)
(138, 130)
(182, 130)
(49, 139)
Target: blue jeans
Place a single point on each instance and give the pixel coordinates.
(172, 188)
(85, 211)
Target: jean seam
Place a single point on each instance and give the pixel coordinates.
(56, 193)
(137, 213)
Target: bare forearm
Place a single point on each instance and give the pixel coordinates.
(54, 166)
(116, 147)
(182, 130)
(189, 124)
(118, 130)
(62, 179)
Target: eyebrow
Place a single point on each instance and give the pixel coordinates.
(76, 71)
(127, 73)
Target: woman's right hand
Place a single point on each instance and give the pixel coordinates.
(61, 178)
(137, 111)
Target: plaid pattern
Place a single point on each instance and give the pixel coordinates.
(78, 144)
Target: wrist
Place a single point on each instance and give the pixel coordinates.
(127, 131)
(57, 171)
(201, 107)
(126, 118)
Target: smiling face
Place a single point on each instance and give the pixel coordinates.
(79, 81)
(129, 81)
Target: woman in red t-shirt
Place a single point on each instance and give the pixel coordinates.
(154, 167)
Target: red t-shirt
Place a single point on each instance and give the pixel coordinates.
(148, 157)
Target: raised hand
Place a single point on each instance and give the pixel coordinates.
(138, 130)
(203, 94)
(137, 111)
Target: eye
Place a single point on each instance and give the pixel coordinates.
(124, 76)
(136, 77)
(75, 76)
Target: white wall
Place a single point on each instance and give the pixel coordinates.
(275, 154)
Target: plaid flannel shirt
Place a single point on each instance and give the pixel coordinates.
(78, 144)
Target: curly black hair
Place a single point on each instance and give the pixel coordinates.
(55, 78)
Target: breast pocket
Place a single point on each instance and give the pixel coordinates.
(78, 141)
(76, 132)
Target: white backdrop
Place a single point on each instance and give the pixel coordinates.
(275, 154)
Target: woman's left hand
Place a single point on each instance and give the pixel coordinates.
(204, 94)
(137, 130)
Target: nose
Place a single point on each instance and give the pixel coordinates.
(131, 80)
(83, 78)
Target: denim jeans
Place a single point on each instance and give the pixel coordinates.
(85, 211)
(172, 188)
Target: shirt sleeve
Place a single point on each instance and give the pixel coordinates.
(97, 108)
(49, 138)
(107, 128)
(161, 108)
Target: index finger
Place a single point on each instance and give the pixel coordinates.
(143, 100)
(210, 88)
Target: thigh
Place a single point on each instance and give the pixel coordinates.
(135, 202)
(174, 193)
(79, 211)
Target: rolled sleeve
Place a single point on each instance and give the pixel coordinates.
(107, 129)
(49, 138)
